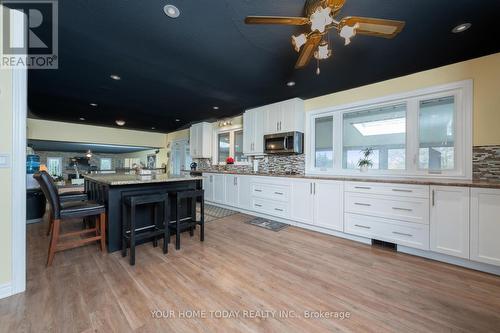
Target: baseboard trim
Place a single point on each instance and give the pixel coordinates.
(478, 266)
(6, 290)
(297, 224)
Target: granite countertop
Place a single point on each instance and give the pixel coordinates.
(122, 179)
(411, 181)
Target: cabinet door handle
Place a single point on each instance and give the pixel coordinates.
(311, 188)
(362, 187)
(402, 234)
(433, 198)
(257, 205)
(362, 204)
(405, 209)
(256, 190)
(278, 209)
(314, 188)
(362, 226)
(279, 193)
(401, 190)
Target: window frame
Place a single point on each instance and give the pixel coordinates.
(231, 130)
(462, 93)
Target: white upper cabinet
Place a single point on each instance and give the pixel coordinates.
(449, 220)
(200, 140)
(286, 116)
(485, 226)
(253, 132)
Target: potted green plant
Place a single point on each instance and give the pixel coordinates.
(365, 162)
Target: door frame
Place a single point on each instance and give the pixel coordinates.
(19, 142)
(172, 143)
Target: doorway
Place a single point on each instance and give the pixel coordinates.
(181, 157)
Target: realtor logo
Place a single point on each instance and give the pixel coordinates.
(29, 34)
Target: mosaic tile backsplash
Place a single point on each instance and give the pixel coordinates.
(279, 164)
(486, 162)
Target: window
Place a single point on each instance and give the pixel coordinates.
(105, 164)
(238, 146)
(230, 143)
(54, 166)
(382, 129)
(323, 142)
(223, 146)
(437, 134)
(425, 133)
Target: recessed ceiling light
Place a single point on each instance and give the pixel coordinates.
(115, 77)
(93, 104)
(153, 128)
(461, 28)
(120, 122)
(290, 83)
(215, 107)
(171, 11)
(177, 120)
(81, 118)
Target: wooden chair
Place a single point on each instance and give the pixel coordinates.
(60, 211)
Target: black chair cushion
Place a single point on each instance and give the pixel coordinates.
(73, 196)
(81, 209)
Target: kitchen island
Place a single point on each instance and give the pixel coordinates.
(110, 189)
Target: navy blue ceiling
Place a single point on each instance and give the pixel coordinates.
(180, 68)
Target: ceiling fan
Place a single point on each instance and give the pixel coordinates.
(320, 15)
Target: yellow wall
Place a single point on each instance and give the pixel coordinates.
(59, 131)
(485, 72)
(5, 176)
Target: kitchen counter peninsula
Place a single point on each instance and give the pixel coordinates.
(110, 189)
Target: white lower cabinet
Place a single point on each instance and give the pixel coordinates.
(485, 226)
(449, 220)
(244, 192)
(208, 186)
(414, 235)
(318, 203)
(219, 188)
(231, 190)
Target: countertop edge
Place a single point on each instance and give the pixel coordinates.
(430, 182)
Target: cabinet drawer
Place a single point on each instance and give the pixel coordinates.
(402, 190)
(271, 207)
(402, 233)
(273, 192)
(393, 207)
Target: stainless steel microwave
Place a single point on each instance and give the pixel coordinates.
(284, 143)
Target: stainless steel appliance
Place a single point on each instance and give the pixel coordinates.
(284, 143)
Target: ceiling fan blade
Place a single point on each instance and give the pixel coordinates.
(307, 51)
(335, 5)
(276, 20)
(373, 26)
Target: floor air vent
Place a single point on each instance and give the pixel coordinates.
(385, 245)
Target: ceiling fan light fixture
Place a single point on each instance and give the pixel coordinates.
(88, 154)
(298, 41)
(348, 32)
(120, 122)
(323, 51)
(321, 18)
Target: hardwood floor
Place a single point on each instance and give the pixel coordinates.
(246, 268)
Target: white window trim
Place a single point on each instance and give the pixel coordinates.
(215, 153)
(463, 92)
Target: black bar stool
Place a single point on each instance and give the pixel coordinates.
(131, 234)
(190, 222)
